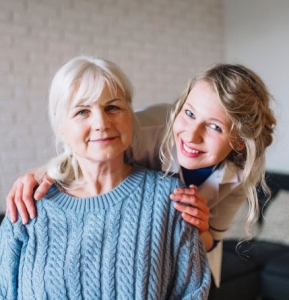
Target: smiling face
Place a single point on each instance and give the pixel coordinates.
(99, 132)
(202, 129)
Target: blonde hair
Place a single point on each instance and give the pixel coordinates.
(81, 78)
(246, 101)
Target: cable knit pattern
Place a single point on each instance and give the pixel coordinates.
(127, 244)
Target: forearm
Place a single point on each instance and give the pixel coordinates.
(207, 239)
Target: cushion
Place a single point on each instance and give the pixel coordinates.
(237, 227)
(276, 223)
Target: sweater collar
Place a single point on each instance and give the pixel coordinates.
(118, 194)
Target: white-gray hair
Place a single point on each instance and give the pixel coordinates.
(81, 78)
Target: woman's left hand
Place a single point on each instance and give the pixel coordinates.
(194, 208)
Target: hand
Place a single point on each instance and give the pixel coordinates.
(20, 198)
(194, 210)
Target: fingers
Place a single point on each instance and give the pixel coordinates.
(194, 216)
(20, 198)
(14, 202)
(21, 207)
(27, 197)
(199, 224)
(191, 197)
(25, 201)
(43, 188)
(10, 206)
(193, 207)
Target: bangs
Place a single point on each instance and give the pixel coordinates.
(89, 86)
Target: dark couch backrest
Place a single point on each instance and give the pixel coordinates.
(275, 182)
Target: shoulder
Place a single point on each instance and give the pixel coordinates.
(160, 179)
(156, 190)
(229, 173)
(153, 115)
(51, 205)
(152, 123)
(46, 200)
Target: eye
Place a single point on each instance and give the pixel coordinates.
(215, 127)
(112, 108)
(189, 113)
(83, 112)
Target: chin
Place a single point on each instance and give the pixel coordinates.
(188, 164)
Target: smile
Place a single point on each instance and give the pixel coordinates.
(102, 139)
(189, 150)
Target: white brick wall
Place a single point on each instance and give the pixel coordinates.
(159, 44)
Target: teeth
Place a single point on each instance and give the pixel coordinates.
(190, 150)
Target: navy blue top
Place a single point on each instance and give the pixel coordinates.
(198, 176)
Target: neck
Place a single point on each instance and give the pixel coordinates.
(99, 180)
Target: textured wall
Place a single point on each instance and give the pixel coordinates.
(159, 44)
(257, 36)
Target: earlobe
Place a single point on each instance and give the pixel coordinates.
(240, 146)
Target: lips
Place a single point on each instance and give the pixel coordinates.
(102, 140)
(189, 151)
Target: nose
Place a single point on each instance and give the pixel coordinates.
(100, 120)
(195, 134)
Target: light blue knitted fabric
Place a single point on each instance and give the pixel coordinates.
(127, 244)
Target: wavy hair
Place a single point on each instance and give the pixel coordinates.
(246, 100)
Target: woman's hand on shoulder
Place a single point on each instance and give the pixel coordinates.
(193, 207)
(21, 198)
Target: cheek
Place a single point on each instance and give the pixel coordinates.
(130, 134)
(71, 133)
(224, 147)
(127, 129)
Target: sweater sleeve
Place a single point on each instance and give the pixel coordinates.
(192, 277)
(10, 250)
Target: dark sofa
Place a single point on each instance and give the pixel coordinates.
(256, 269)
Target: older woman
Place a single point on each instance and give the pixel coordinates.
(106, 229)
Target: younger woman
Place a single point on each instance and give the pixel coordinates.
(215, 138)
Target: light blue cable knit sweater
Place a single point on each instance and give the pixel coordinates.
(127, 244)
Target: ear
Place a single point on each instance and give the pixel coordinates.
(240, 146)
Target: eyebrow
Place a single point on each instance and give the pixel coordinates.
(105, 102)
